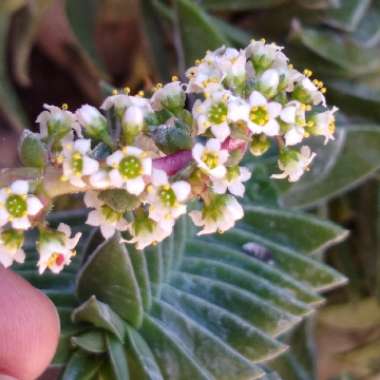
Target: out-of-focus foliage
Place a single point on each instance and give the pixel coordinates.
(338, 39)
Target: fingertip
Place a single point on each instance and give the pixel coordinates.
(29, 328)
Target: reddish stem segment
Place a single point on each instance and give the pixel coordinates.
(173, 163)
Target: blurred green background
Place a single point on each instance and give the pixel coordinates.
(56, 51)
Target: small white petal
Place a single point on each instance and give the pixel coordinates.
(133, 151)
(159, 177)
(221, 131)
(181, 189)
(213, 144)
(82, 145)
(135, 186)
(257, 99)
(107, 230)
(34, 205)
(20, 187)
(237, 189)
(91, 199)
(116, 178)
(90, 166)
(21, 223)
(272, 128)
(274, 109)
(288, 115)
(115, 158)
(94, 218)
(147, 166)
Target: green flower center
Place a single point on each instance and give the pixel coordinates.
(110, 214)
(210, 159)
(218, 113)
(130, 167)
(167, 196)
(259, 115)
(77, 163)
(16, 205)
(12, 238)
(233, 172)
(214, 210)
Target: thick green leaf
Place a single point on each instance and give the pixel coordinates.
(170, 354)
(347, 15)
(245, 280)
(246, 305)
(347, 53)
(100, 315)
(140, 268)
(143, 364)
(92, 342)
(26, 23)
(212, 353)
(9, 102)
(308, 271)
(358, 156)
(82, 16)
(81, 366)
(238, 333)
(108, 274)
(241, 5)
(155, 262)
(117, 358)
(299, 231)
(197, 31)
(153, 29)
(236, 257)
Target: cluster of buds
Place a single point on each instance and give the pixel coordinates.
(142, 162)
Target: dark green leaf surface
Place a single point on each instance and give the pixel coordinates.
(209, 309)
(197, 31)
(108, 274)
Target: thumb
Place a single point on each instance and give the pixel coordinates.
(29, 329)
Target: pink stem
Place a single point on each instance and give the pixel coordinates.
(173, 163)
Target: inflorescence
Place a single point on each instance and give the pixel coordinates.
(139, 161)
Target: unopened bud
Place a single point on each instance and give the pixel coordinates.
(32, 151)
(259, 145)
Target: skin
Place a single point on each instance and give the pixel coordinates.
(29, 329)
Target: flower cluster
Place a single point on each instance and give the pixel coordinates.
(143, 161)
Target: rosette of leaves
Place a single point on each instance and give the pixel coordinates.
(190, 307)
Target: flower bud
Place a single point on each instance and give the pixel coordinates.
(132, 123)
(172, 97)
(94, 123)
(259, 145)
(268, 83)
(32, 151)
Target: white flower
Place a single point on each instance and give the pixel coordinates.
(91, 119)
(16, 206)
(11, 242)
(323, 124)
(76, 162)
(268, 82)
(166, 199)
(233, 181)
(293, 122)
(261, 116)
(170, 96)
(265, 55)
(55, 120)
(205, 76)
(219, 215)
(100, 179)
(134, 117)
(294, 163)
(307, 92)
(104, 216)
(122, 101)
(211, 158)
(213, 113)
(129, 166)
(56, 248)
(146, 231)
(231, 63)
